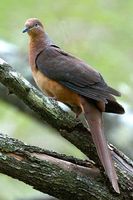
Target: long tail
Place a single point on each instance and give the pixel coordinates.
(94, 120)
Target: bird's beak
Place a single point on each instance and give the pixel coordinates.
(26, 30)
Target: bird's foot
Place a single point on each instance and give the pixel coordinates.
(77, 114)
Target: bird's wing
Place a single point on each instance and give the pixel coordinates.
(73, 73)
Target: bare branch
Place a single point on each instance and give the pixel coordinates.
(55, 176)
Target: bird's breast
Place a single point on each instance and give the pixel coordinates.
(54, 89)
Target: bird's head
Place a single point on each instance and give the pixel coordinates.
(33, 26)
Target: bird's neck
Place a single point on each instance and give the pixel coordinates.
(36, 45)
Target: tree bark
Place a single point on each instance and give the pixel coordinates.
(48, 172)
(49, 111)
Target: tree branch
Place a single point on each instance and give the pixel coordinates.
(72, 130)
(49, 173)
(14, 101)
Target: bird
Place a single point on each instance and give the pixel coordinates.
(70, 80)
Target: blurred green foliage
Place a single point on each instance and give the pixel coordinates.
(98, 31)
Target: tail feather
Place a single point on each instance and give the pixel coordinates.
(94, 120)
(114, 107)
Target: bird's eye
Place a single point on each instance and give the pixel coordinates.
(36, 25)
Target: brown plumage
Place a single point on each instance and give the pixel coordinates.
(73, 82)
